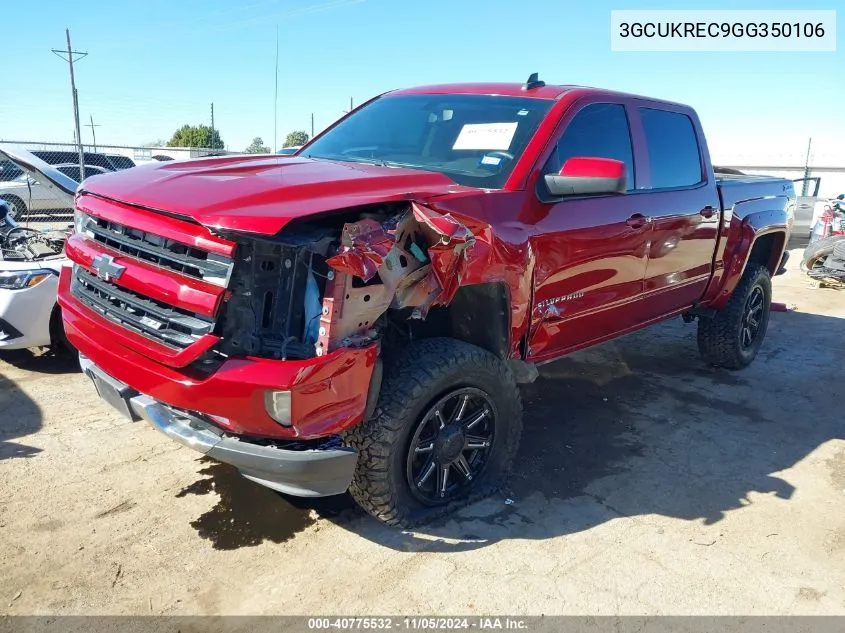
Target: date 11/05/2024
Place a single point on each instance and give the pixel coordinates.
(417, 623)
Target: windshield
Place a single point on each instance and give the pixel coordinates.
(474, 139)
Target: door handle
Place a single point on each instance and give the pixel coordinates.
(707, 212)
(637, 221)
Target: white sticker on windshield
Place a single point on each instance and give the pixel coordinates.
(486, 136)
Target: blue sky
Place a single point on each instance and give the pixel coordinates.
(154, 65)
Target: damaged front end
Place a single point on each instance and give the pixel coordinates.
(341, 280)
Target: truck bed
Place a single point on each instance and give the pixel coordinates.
(736, 189)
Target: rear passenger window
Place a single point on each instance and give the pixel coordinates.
(599, 130)
(672, 149)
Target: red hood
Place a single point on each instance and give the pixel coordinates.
(261, 194)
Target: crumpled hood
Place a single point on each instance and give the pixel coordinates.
(261, 194)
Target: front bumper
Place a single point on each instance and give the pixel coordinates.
(25, 315)
(309, 472)
(328, 393)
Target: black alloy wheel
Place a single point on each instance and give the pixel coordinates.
(451, 445)
(752, 318)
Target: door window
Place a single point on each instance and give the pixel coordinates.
(599, 130)
(672, 149)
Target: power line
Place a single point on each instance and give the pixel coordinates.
(70, 59)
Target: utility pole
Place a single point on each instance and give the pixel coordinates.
(806, 188)
(211, 137)
(92, 125)
(312, 125)
(70, 59)
(351, 107)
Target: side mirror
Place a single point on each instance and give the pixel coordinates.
(585, 175)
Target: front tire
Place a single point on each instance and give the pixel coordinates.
(732, 338)
(445, 432)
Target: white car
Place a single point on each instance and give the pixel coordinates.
(25, 194)
(29, 314)
(30, 261)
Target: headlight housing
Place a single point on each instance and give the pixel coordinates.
(277, 404)
(18, 279)
(80, 223)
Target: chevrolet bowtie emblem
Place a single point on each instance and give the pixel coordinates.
(105, 267)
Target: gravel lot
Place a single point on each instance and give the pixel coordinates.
(647, 483)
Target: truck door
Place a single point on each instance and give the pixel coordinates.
(590, 251)
(679, 195)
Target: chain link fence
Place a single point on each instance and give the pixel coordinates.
(30, 200)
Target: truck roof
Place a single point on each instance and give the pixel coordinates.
(514, 89)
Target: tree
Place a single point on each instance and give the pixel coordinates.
(297, 138)
(196, 136)
(257, 147)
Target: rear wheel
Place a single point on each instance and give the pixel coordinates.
(732, 338)
(444, 432)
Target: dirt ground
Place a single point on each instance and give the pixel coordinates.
(647, 483)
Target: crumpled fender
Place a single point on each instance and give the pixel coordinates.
(441, 249)
(366, 244)
(449, 250)
(421, 257)
(501, 253)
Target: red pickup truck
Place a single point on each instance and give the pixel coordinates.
(358, 316)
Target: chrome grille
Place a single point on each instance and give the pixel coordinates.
(158, 250)
(171, 326)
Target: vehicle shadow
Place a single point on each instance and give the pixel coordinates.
(636, 426)
(21, 416)
(42, 360)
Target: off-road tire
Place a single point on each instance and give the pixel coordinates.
(414, 379)
(819, 250)
(719, 336)
(17, 208)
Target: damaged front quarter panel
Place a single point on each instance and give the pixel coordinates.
(416, 259)
(356, 277)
